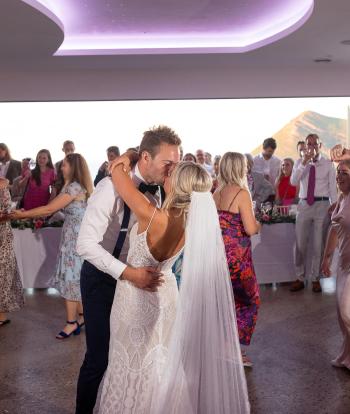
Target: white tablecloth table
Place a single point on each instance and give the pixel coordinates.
(273, 254)
(36, 254)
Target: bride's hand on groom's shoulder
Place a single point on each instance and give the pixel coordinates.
(147, 278)
(127, 160)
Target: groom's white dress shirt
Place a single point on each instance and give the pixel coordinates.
(101, 226)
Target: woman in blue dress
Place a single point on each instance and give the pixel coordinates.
(72, 200)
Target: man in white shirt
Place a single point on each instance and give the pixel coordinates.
(103, 243)
(200, 156)
(316, 176)
(266, 163)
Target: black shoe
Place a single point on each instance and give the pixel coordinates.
(316, 287)
(63, 335)
(297, 285)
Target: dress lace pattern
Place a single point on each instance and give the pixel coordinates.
(141, 325)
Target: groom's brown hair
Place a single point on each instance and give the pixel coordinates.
(153, 138)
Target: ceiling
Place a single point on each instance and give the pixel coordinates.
(41, 58)
(97, 27)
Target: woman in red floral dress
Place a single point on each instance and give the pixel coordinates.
(238, 223)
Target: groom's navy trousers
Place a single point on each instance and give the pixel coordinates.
(97, 293)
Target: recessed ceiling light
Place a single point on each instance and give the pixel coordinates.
(345, 42)
(323, 60)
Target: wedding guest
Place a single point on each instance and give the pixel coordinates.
(9, 168)
(267, 163)
(238, 223)
(133, 149)
(11, 291)
(73, 197)
(339, 235)
(112, 154)
(260, 188)
(340, 153)
(316, 176)
(200, 156)
(215, 175)
(39, 182)
(216, 165)
(189, 157)
(301, 148)
(68, 147)
(17, 190)
(286, 193)
(208, 158)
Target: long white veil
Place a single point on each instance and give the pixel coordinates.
(204, 373)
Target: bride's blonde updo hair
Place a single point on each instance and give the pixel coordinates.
(186, 178)
(233, 170)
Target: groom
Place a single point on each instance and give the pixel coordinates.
(103, 244)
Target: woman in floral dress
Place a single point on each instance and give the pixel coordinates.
(238, 223)
(72, 199)
(11, 290)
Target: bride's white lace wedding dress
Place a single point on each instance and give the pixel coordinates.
(141, 325)
(177, 352)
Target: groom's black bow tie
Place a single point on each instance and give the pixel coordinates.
(148, 188)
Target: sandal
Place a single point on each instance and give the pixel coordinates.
(246, 361)
(63, 335)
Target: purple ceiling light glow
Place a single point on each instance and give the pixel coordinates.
(174, 26)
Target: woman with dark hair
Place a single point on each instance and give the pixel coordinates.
(39, 181)
(73, 199)
(9, 168)
(189, 157)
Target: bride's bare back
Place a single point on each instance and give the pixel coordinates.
(165, 235)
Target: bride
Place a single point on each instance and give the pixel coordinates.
(173, 351)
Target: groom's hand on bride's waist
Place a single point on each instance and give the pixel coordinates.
(147, 278)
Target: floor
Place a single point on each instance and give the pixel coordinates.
(296, 337)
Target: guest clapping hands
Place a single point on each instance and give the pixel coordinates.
(339, 153)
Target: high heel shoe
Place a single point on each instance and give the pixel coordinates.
(63, 335)
(83, 323)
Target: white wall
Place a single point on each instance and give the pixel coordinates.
(172, 83)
